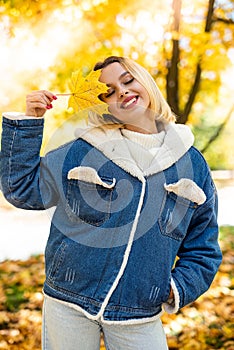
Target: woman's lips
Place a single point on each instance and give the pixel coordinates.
(129, 101)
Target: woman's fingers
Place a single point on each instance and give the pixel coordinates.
(37, 102)
(40, 97)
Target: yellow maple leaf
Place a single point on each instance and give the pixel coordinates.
(85, 91)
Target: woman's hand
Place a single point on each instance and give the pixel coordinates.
(38, 102)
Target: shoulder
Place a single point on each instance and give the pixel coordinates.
(198, 158)
(68, 146)
(201, 171)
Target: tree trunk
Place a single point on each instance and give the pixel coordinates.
(172, 65)
(172, 78)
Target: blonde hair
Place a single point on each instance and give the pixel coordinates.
(158, 104)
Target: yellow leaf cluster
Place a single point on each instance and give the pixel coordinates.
(85, 92)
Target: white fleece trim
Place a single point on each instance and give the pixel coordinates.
(96, 317)
(19, 116)
(133, 320)
(174, 307)
(88, 174)
(188, 189)
(127, 251)
(110, 141)
(73, 306)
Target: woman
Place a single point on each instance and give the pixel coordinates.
(135, 225)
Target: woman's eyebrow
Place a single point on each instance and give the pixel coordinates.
(121, 76)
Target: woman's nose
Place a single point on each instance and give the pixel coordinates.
(123, 92)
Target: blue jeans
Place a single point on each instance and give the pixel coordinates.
(67, 328)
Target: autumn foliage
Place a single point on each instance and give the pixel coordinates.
(186, 45)
(206, 324)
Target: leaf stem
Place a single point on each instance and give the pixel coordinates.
(67, 94)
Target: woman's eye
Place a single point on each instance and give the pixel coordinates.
(129, 81)
(104, 96)
(108, 94)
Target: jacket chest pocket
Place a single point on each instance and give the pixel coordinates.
(89, 202)
(175, 216)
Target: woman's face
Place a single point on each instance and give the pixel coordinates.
(126, 97)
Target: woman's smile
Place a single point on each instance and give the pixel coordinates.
(129, 102)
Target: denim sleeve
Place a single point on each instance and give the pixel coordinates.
(21, 165)
(200, 254)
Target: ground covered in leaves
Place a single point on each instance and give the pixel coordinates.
(207, 323)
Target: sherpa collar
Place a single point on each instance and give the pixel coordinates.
(111, 142)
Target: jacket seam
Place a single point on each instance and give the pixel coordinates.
(10, 162)
(204, 206)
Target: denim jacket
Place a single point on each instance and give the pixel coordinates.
(120, 238)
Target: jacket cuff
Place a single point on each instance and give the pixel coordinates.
(18, 116)
(172, 306)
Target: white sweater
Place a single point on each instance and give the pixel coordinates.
(143, 147)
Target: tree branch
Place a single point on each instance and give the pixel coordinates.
(184, 116)
(218, 130)
(224, 20)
